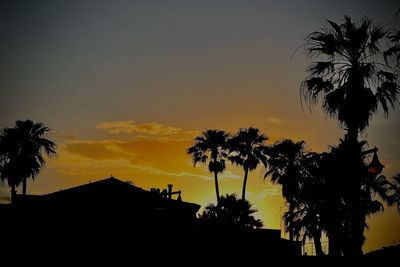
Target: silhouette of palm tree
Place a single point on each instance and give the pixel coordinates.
(211, 146)
(285, 168)
(344, 207)
(352, 76)
(247, 149)
(22, 149)
(230, 213)
(305, 218)
(319, 196)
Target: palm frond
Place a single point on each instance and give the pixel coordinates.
(355, 60)
(386, 94)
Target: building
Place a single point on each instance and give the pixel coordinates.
(113, 214)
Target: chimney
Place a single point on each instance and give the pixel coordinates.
(170, 191)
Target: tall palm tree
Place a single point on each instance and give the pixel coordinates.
(350, 75)
(247, 149)
(211, 146)
(285, 168)
(22, 149)
(353, 78)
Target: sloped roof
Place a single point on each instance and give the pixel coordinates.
(111, 190)
(107, 184)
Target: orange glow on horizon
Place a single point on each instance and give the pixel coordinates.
(157, 160)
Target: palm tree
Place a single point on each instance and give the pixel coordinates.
(8, 166)
(22, 149)
(351, 77)
(321, 203)
(285, 168)
(230, 213)
(344, 211)
(211, 146)
(247, 149)
(332, 212)
(305, 218)
(375, 189)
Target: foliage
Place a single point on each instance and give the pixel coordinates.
(211, 146)
(247, 149)
(21, 151)
(230, 213)
(351, 73)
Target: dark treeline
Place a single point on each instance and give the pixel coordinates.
(317, 187)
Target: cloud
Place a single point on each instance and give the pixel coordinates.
(274, 120)
(97, 150)
(128, 127)
(156, 155)
(228, 175)
(174, 174)
(155, 151)
(153, 155)
(270, 190)
(63, 135)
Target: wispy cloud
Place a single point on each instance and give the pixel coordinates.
(159, 156)
(269, 190)
(228, 175)
(97, 150)
(273, 120)
(64, 135)
(168, 173)
(128, 127)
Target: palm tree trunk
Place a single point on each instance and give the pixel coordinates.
(13, 193)
(333, 246)
(24, 186)
(357, 214)
(352, 133)
(246, 172)
(335, 235)
(357, 232)
(216, 185)
(291, 233)
(357, 219)
(317, 243)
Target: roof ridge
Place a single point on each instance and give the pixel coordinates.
(111, 178)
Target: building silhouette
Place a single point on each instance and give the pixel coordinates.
(114, 215)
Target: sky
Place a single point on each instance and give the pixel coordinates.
(126, 85)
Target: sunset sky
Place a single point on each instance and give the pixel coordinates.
(126, 85)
